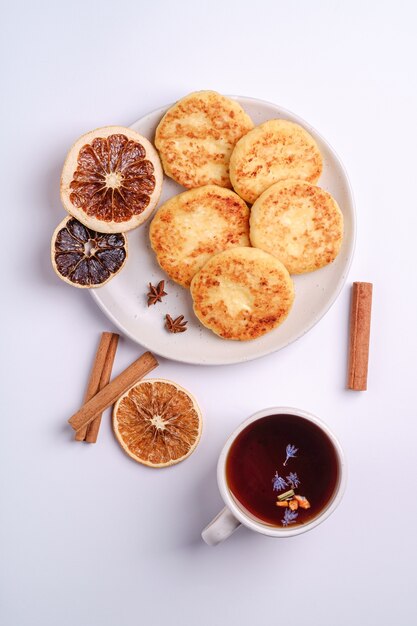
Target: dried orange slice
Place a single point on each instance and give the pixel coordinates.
(85, 258)
(111, 180)
(157, 422)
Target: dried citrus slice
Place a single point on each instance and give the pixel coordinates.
(157, 422)
(85, 258)
(111, 180)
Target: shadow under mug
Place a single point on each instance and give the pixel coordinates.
(233, 515)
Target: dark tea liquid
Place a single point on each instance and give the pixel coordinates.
(258, 468)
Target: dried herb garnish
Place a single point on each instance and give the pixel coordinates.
(289, 499)
(291, 452)
(293, 480)
(177, 325)
(155, 294)
(278, 482)
(287, 495)
(289, 517)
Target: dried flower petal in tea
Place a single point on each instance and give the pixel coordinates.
(291, 452)
(278, 483)
(289, 517)
(293, 480)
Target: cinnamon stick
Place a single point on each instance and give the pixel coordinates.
(95, 376)
(94, 426)
(111, 392)
(360, 327)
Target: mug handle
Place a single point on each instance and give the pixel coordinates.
(220, 528)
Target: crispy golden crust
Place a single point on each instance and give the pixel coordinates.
(299, 223)
(196, 136)
(242, 293)
(276, 150)
(192, 226)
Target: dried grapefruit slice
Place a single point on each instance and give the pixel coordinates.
(85, 258)
(157, 422)
(111, 180)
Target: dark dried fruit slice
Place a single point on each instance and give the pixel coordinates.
(85, 258)
(111, 180)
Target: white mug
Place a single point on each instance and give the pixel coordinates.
(233, 515)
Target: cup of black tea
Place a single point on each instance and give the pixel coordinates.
(281, 473)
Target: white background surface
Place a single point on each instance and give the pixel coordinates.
(88, 537)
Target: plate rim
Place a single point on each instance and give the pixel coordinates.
(234, 361)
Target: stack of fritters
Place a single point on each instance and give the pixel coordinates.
(202, 237)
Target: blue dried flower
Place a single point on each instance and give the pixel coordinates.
(278, 483)
(289, 517)
(293, 480)
(291, 451)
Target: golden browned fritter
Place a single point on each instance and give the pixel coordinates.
(192, 226)
(299, 223)
(196, 136)
(242, 293)
(276, 150)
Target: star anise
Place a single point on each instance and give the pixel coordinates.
(155, 294)
(177, 325)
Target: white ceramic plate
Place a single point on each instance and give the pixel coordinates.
(124, 301)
